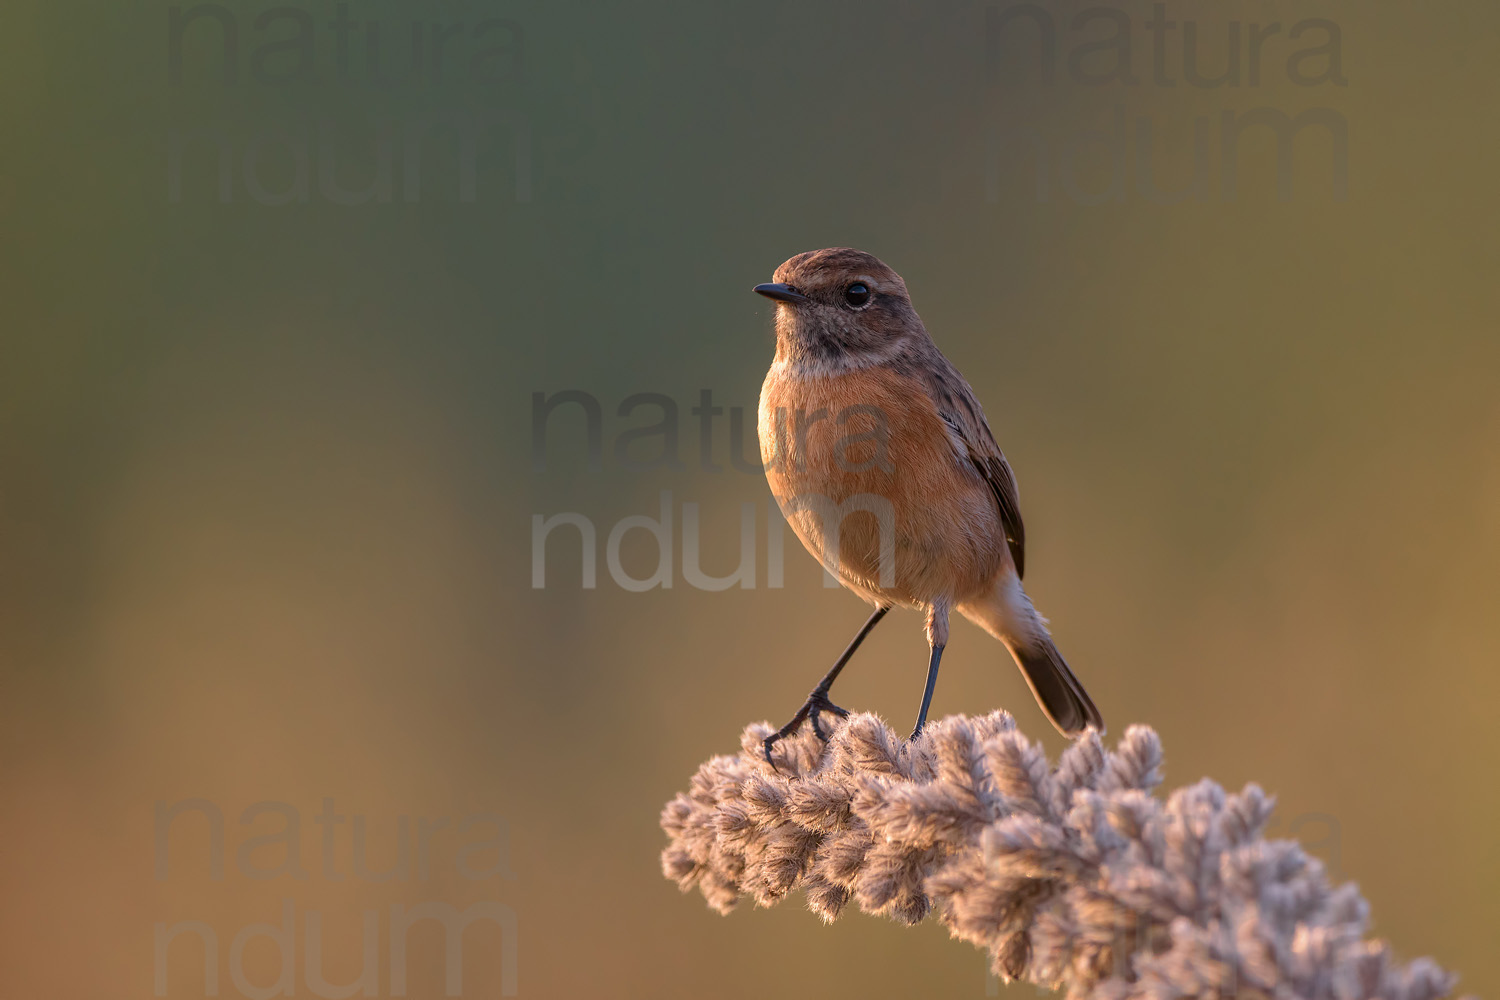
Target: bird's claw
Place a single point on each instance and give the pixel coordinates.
(817, 703)
(768, 743)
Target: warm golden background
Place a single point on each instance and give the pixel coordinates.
(266, 485)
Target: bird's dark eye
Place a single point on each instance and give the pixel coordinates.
(857, 294)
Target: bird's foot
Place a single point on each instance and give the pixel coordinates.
(817, 703)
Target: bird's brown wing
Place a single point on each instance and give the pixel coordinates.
(974, 442)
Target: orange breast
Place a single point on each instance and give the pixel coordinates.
(867, 452)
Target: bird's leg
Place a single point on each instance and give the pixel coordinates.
(932, 669)
(817, 703)
(937, 640)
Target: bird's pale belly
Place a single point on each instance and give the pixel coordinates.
(866, 474)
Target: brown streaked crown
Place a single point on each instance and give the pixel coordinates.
(820, 270)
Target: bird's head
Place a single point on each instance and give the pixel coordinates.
(839, 308)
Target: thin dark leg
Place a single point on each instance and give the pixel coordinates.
(820, 693)
(932, 669)
(817, 702)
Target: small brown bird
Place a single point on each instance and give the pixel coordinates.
(880, 457)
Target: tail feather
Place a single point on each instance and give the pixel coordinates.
(1007, 614)
(1059, 693)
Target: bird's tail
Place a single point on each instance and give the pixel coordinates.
(1058, 691)
(1008, 616)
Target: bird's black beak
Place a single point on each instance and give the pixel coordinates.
(781, 293)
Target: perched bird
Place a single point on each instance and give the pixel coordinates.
(880, 457)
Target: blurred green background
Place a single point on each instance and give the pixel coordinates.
(267, 483)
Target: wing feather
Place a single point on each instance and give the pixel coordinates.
(975, 443)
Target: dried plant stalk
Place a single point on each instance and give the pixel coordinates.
(1075, 877)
